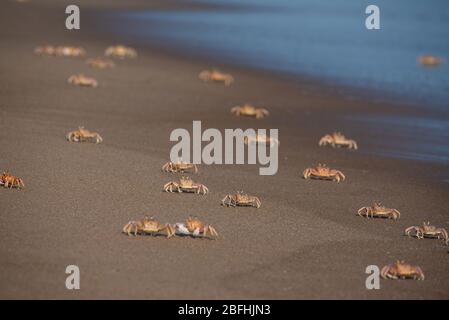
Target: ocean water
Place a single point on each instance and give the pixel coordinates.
(328, 40)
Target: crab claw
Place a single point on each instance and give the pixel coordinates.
(180, 228)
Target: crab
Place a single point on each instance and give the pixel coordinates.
(185, 184)
(241, 199)
(261, 139)
(83, 135)
(323, 172)
(377, 210)
(402, 270)
(83, 81)
(47, 50)
(427, 231)
(61, 51)
(430, 61)
(337, 140)
(195, 228)
(179, 166)
(100, 63)
(9, 181)
(148, 226)
(249, 110)
(121, 52)
(217, 76)
(66, 51)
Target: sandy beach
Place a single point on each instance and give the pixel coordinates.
(304, 242)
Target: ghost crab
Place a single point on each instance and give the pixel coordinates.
(185, 184)
(82, 81)
(121, 52)
(83, 135)
(9, 181)
(402, 270)
(217, 76)
(377, 210)
(338, 140)
(65, 51)
(241, 199)
(179, 166)
(427, 231)
(148, 226)
(429, 60)
(60, 51)
(249, 110)
(261, 139)
(100, 63)
(323, 172)
(45, 50)
(195, 228)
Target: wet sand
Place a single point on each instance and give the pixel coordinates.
(304, 242)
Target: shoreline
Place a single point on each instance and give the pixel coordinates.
(304, 242)
(173, 43)
(385, 108)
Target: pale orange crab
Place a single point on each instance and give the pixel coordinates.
(7, 180)
(195, 228)
(429, 60)
(82, 81)
(427, 231)
(179, 166)
(100, 63)
(249, 110)
(83, 135)
(66, 51)
(261, 139)
(148, 226)
(337, 140)
(185, 184)
(121, 52)
(60, 51)
(377, 210)
(323, 172)
(45, 50)
(402, 270)
(216, 76)
(241, 199)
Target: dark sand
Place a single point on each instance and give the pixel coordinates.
(304, 242)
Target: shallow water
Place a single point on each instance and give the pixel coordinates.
(326, 40)
(413, 138)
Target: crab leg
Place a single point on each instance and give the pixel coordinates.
(419, 234)
(213, 231)
(204, 189)
(257, 202)
(196, 232)
(420, 273)
(398, 213)
(306, 173)
(384, 272)
(363, 211)
(224, 200)
(409, 230)
(443, 233)
(169, 230)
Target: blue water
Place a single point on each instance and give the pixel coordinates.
(327, 40)
(407, 137)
